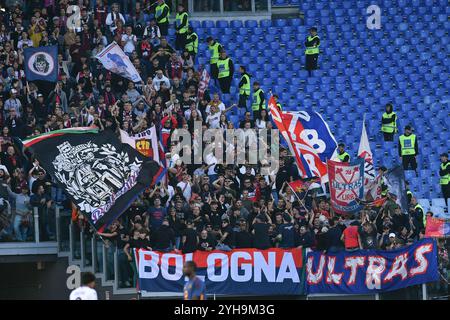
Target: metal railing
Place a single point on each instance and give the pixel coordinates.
(100, 256)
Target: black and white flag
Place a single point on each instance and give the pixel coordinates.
(101, 175)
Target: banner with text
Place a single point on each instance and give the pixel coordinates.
(372, 271)
(237, 272)
(346, 185)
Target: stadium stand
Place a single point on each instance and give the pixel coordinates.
(360, 71)
(404, 63)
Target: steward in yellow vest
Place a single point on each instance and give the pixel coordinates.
(258, 101)
(225, 68)
(342, 154)
(389, 123)
(444, 173)
(417, 213)
(192, 43)
(181, 27)
(214, 48)
(312, 44)
(408, 149)
(162, 12)
(244, 88)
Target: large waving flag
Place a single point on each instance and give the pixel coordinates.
(365, 153)
(115, 60)
(309, 138)
(277, 117)
(101, 175)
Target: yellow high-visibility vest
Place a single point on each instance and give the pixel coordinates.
(407, 144)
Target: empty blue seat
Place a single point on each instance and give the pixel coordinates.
(222, 24)
(280, 22)
(236, 24)
(251, 23)
(208, 24)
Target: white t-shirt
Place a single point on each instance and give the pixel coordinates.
(186, 188)
(129, 46)
(171, 193)
(213, 120)
(83, 293)
(221, 108)
(211, 161)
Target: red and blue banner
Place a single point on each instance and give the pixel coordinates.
(372, 271)
(237, 272)
(346, 185)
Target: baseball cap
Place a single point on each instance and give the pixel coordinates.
(391, 235)
(13, 91)
(40, 95)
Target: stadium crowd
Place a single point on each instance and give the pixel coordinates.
(198, 207)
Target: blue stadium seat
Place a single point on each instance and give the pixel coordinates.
(280, 22)
(236, 24)
(266, 23)
(222, 24)
(208, 24)
(251, 23)
(360, 69)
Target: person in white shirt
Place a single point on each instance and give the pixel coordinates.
(213, 119)
(86, 291)
(13, 103)
(160, 78)
(129, 41)
(153, 33)
(113, 16)
(24, 41)
(185, 186)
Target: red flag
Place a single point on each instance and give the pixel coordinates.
(297, 185)
(303, 185)
(437, 228)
